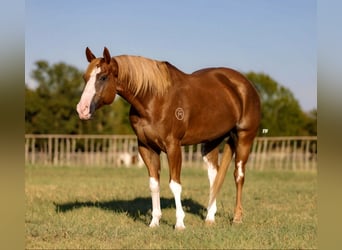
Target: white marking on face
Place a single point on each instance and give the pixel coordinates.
(83, 107)
(240, 173)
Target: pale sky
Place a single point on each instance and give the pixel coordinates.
(276, 37)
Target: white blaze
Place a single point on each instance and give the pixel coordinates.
(83, 107)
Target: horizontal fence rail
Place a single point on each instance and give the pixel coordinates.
(289, 153)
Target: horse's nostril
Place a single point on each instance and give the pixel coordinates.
(85, 108)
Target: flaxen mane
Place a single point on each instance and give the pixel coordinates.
(143, 75)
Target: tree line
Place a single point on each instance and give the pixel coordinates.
(50, 108)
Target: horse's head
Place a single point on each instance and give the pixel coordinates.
(101, 81)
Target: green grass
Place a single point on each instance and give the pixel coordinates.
(110, 208)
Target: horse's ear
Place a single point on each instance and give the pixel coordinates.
(106, 55)
(90, 56)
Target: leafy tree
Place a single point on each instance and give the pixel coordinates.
(311, 122)
(51, 107)
(281, 112)
(32, 107)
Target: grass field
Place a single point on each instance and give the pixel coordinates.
(110, 208)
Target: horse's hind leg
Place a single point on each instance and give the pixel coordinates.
(211, 160)
(244, 143)
(210, 152)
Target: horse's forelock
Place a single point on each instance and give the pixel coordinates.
(95, 63)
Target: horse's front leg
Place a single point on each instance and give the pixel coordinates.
(174, 155)
(152, 161)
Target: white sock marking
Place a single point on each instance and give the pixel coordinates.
(240, 173)
(212, 172)
(155, 194)
(154, 185)
(176, 189)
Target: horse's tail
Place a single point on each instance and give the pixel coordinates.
(221, 173)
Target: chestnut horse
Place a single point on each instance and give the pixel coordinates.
(169, 109)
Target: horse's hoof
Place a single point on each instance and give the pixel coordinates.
(209, 222)
(180, 228)
(237, 220)
(153, 225)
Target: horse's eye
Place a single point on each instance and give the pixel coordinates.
(103, 78)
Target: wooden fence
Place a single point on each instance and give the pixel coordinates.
(291, 153)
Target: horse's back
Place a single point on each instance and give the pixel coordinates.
(228, 76)
(238, 87)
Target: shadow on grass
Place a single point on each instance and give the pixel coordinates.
(137, 209)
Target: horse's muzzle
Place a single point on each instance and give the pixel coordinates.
(84, 111)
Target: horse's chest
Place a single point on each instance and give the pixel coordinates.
(147, 134)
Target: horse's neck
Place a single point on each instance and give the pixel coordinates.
(141, 103)
(135, 101)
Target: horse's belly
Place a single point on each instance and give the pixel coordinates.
(208, 126)
(210, 114)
